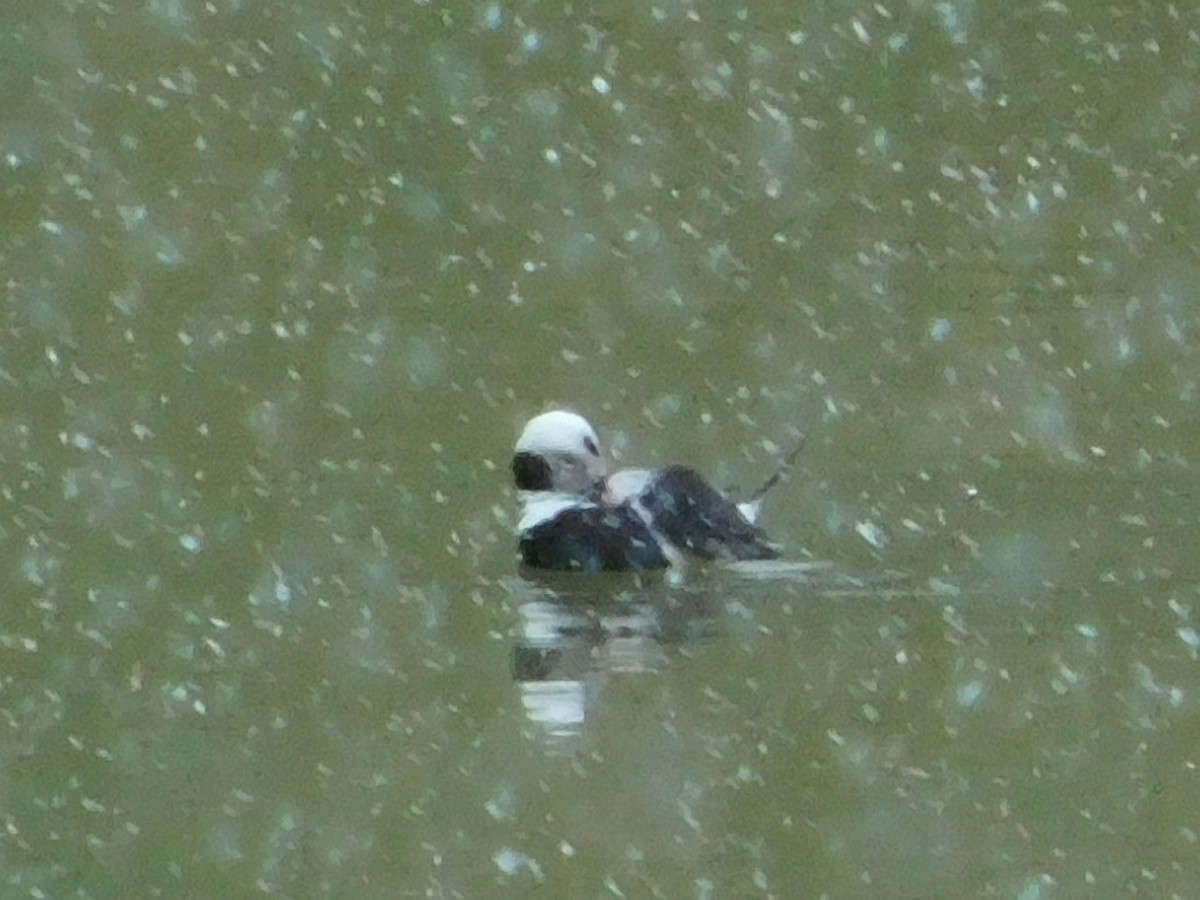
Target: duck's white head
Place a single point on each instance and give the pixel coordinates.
(559, 451)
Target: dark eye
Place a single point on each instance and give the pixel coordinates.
(590, 446)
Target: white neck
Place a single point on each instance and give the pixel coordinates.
(540, 506)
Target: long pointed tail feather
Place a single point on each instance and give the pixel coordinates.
(752, 507)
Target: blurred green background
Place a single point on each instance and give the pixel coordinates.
(281, 283)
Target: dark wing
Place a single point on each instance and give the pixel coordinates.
(592, 539)
(695, 517)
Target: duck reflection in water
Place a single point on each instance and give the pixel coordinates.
(569, 638)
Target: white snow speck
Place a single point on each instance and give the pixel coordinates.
(969, 693)
(132, 216)
(169, 253)
(1174, 332)
(511, 861)
(872, 534)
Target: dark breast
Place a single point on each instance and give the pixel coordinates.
(592, 539)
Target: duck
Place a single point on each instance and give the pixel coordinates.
(578, 515)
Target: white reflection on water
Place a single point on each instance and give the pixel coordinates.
(568, 639)
(573, 630)
(558, 706)
(563, 644)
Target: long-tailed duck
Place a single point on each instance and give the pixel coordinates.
(576, 516)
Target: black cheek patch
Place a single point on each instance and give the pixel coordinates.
(531, 472)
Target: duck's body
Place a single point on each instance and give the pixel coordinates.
(578, 517)
(588, 536)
